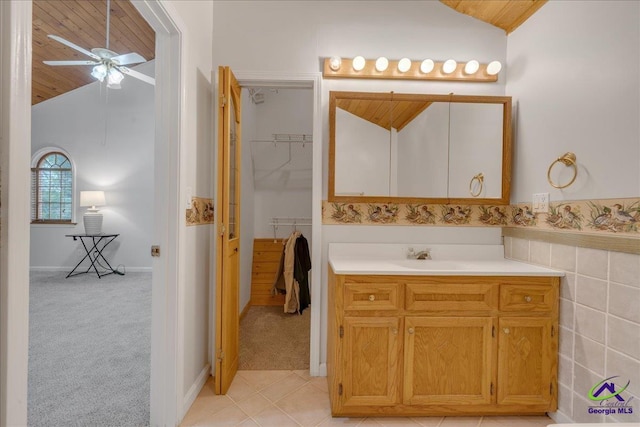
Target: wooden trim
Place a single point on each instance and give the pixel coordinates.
(630, 245)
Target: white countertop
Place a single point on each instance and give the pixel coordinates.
(448, 260)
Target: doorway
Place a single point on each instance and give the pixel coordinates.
(290, 81)
(165, 228)
(277, 184)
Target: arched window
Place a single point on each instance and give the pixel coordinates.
(51, 187)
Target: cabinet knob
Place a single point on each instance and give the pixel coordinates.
(527, 298)
(411, 330)
(394, 331)
(506, 330)
(372, 297)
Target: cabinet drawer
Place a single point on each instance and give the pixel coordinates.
(451, 297)
(527, 298)
(371, 296)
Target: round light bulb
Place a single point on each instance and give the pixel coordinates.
(449, 66)
(358, 63)
(471, 67)
(494, 68)
(382, 63)
(427, 66)
(404, 64)
(335, 62)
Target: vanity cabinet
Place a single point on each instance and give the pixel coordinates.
(442, 345)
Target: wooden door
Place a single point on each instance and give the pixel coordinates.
(228, 231)
(448, 360)
(527, 355)
(371, 350)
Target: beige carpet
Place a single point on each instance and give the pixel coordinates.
(273, 340)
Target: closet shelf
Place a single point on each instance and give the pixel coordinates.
(288, 138)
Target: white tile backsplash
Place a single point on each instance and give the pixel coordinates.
(624, 336)
(593, 262)
(589, 353)
(599, 322)
(520, 249)
(625, 268)
(540, 253)
(624, 301)
(563, 257)
(590, 323)
(591, 292)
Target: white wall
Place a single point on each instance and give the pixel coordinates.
(196, 172)
(294, 37)
(110, 138)
(573, 69)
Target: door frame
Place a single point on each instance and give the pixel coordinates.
(313, 81)
(15, 65)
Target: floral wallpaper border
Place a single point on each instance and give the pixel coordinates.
(611, 216)
(201, 211)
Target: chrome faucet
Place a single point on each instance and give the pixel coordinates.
(425, 254)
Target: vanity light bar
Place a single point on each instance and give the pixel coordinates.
(360, 68)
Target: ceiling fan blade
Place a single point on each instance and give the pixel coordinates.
(74, 46)
(128, 58)
(138, 75)
(87, 62)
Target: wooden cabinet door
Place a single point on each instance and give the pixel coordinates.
(527, 356)
(449, 360)
(371, 350)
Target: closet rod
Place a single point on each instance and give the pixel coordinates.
(288, 138)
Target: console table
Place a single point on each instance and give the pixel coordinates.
(94, 245)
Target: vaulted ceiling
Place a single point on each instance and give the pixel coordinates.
(83, 22)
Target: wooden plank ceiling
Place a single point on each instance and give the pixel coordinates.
(83, 23)
(505, 14)
(386, 114)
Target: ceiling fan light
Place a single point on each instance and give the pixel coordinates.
(99, 72)
(115, 77)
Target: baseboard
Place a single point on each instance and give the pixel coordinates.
(194, 390)
(320, 371)
(245, 310)
(55, 269)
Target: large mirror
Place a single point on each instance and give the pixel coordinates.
(411, 148)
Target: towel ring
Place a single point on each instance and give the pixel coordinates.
(480, 178)
(569, 159)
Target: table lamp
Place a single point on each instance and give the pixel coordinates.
(92, 218)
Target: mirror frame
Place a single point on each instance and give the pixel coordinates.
(507, 148)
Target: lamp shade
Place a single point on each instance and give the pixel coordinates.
(92, 198)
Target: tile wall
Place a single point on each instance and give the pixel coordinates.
(599, 323)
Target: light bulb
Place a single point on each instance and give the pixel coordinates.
(99, 72)
(494, 68)
(427, 66)
(358, 63)
(382, 63)
(471, 67)
(449, 66)
(114, 79)
(404, 64)
(335, 62)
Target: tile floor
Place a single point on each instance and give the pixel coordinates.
(293, 398)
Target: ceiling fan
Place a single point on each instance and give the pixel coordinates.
(107, 63)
